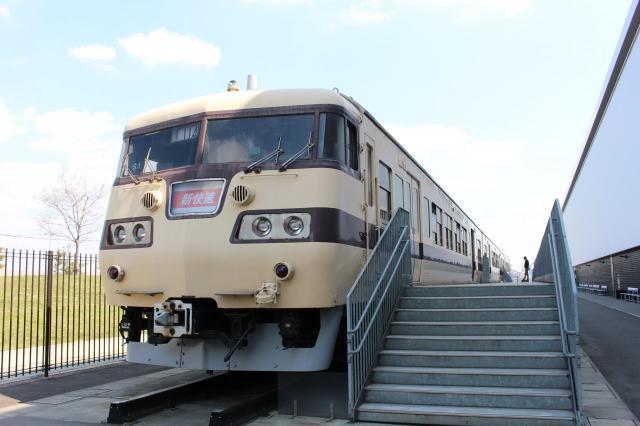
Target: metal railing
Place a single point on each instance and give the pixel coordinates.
(553, 264)
(54, 313)
(372, 301)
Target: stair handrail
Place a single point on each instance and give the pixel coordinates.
(553, 264)
(372, 299)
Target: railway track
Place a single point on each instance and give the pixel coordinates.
(236, 398)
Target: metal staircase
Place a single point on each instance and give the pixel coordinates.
(478, 354)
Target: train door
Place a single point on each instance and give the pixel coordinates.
(473, 254)
(416, 234)
(370, 194)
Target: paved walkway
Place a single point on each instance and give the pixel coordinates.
(83, 398)
(610, 335)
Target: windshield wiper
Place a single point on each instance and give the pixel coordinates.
(147, 162)
(133, 177)
(276, 153)
(298, 154)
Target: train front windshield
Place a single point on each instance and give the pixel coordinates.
(233, 140)
(161, 150)
(250, 139)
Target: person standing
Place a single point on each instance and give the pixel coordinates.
(526, 269)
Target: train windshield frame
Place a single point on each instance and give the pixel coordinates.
(244, 139)
(248, 139)
(164, 149)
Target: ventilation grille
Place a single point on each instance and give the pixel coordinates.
(151, 200)
(242, 194)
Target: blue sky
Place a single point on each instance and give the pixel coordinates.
(494, 97)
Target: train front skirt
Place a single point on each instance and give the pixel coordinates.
(264, 351)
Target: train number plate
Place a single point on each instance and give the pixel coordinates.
(196, 197)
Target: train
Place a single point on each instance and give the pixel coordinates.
(238, 221)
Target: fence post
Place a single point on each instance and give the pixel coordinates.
(47, 317)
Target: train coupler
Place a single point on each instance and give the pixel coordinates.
(173, 318)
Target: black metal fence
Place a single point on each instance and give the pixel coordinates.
(54, 313)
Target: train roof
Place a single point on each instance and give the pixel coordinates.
(243, 99)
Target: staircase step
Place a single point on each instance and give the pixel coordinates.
(472, 359)
(474, 343)
(443, 415)
(518, 301)
(470, 396)
(505, 377)
(479, 290)
(471, 328)
(486, 314)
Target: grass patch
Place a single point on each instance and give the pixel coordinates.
(78, 310)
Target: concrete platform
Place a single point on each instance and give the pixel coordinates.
(83, 397)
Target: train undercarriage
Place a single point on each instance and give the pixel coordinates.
(194, 333)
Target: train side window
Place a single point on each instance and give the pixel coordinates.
(398, 192)
(415, 211)
(448, 231)
(464, 241)
(384, 193)
(352, 146)
(425, 218)
(370, 174)
(436, 222)
(331, 140)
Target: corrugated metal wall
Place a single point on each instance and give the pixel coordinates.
(626, 271)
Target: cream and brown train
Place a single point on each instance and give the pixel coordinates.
(238, 222)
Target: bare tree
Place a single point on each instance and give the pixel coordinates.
(71, 210)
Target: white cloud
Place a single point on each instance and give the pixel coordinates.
(507, 8)
(360, 12)
(20, 207)
(10, 124)
(499, 183)
(89, 140)
(94, 52)
(474, 9)
(364, 12)
(270, 3)
(163, 47)
(82, 142)
(19, 61)
(5, 12)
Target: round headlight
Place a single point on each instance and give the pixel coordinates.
(293, 225)
(262, 226)
(120, 234)
(139, 232)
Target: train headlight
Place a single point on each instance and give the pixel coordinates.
(293, 225)
(120, 234)
(274, 227)
(130, 233)
(139, 232)
(262, 226)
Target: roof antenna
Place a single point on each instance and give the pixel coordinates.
(252, 82)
